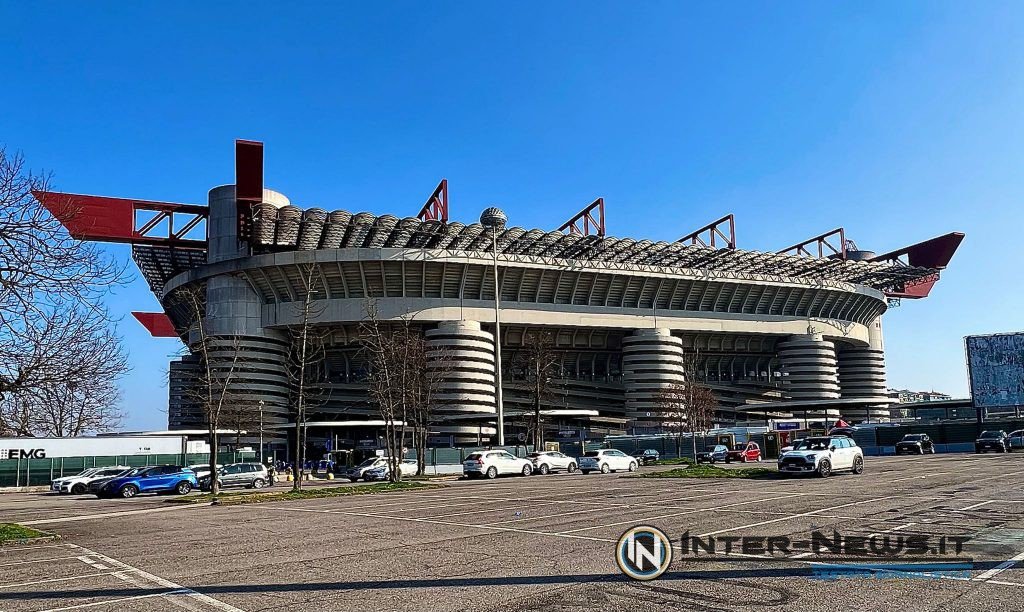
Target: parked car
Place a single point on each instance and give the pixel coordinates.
(607, 460)
(915, 444)
(153, 479)
(748, 451)
(552, 461)
(1017, 439)
(823, 456)
(713, 453)
(407, 467)
(359, 472)
(494, 463)
(992, 440)
(202, 470)
(248, 475)
(646, 456)
(79, 483)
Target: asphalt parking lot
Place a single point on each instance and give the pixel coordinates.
(538, 543)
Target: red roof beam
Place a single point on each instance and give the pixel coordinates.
(106, 219)
(821, 247)
(590, 223)
(714, 230)
(158, 324)
(436, 208)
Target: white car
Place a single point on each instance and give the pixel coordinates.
(823, 455)
(202, 470)
(79, 483)
(551, 461)
(494, 463)
(607, 460)
(370, 463)
(407, 467)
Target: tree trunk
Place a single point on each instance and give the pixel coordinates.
(214, 483)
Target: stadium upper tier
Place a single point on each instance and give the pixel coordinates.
(290, 228)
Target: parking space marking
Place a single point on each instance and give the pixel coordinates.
(800, 515)
(640, 521)
(49, 580)
(116, 601)
(978, 505)
(1002, 567)
(50, 560)
(89, 517)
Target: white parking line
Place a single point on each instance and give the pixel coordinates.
(116, 601)
(89, 517)
(1002, 567)
(640, 521)
(50, 560)
(978, 505)
(789, 518)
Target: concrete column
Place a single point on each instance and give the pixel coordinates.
(233, 317)
(464, 353)
(652, 360)
(808, 363)
(862, 372)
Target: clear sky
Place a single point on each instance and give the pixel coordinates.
(898, 120)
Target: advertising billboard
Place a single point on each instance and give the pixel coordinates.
(995, 364)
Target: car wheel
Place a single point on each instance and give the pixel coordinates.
(605, 469)
(543, 470)
(353, 479)
(184, 488)
(920, 451)
(259, 483)
(932, 450)
(824, 469)
(728, 459)
(743, 459)
(759, 458)
(78, 489)
(492, 472)
(858, 465)
(632, 466)
(527, 469)
(128, 491)
(572, 468)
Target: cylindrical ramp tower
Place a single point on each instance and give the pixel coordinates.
(462, 355)
(652, 361)
(809, 368)
(862, 372)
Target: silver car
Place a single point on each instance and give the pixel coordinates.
(545, 462)
(248, 475)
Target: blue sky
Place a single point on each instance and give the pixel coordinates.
(898, 121)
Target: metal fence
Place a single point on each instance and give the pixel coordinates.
(39, 472)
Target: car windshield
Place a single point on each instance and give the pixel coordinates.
(368, 462)
(88, 472)
(991, 434)
(591, 454)
(533, 455)
(912, 438)
(710, 449)
(475, 457)
(812, 444)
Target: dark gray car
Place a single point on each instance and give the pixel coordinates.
(248, 475)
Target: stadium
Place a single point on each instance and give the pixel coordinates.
(774, 335)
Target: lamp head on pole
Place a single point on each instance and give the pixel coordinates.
(493, 218)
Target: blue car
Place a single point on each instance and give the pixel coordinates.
(153, 479)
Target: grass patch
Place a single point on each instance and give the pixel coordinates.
(232, 498)
(675, 461)
(711, 471)
(10, 532)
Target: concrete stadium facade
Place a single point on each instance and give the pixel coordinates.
(773, 335)
(623, 314)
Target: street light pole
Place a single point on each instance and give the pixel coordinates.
(495, 219)
(262, 458)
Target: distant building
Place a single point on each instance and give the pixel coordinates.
(906, 396)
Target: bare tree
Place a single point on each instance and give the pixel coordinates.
(77, 409)
(687, 407)
(50, 288)
(392, 350)
(219, 366)
(538, 359)
(306, 356)
(434, 366)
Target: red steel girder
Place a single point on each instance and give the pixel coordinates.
(820, 244)
(436, 208)
(933, 253)
(157, 323)
(589, 222)
(105, 219)
(714, 230)
(248, 182)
